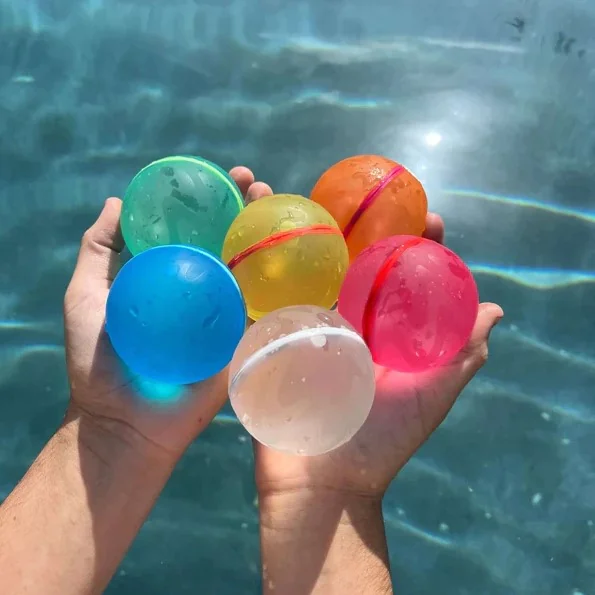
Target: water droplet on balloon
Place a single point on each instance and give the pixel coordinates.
(318, 340)
(325, 318)
(209, 321)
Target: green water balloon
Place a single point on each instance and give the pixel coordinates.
(179, 200)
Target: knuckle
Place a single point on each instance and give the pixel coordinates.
(96, 239)
(482, 353)
(92, 241)
(87, 239)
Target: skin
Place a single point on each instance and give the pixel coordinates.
(322, 530)
(68, 524)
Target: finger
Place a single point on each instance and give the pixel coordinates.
(243, 177)
(102, 243)
(475, 353)
(454, 376)
(434, 228)
(258, 190)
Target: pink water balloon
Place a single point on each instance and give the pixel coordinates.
(413, 301)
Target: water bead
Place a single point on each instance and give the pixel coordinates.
(302, 380)
(179, 200)
(286, 250)
(371, 198)
(175, 314)
(413, 300)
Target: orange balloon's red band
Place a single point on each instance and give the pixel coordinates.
(369, 314)
(282, 236)
(371, 197)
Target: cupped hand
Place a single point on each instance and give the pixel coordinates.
(101, 391)
(407, 409)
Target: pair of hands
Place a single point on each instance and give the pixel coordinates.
(407, 407)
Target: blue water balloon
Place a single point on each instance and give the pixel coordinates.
(175, 314)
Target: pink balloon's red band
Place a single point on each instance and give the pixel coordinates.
(371, 197)
(369, 314)
(282, 236)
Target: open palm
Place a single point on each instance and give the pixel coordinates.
(100, 389)
(407, 409)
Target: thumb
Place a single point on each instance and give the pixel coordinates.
(98, 259)
(475, 354)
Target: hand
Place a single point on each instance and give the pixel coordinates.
(100, 392)
(407, 409)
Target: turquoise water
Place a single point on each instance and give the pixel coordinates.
(490, 103)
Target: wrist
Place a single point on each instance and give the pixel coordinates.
(323, 541)
(121, 475)
(303, 508)
(111, 441)
(78, 508)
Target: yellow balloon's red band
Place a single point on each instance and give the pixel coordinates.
(282, 236)
(369, 313)
(371, 197)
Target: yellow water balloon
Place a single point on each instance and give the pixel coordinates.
(286, 250)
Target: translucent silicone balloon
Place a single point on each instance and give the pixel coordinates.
(175, 314)
(414, 301)
(302, 380)
(179, 200)
(286, 250)
(371, 198)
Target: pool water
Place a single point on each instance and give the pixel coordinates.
(489, 103)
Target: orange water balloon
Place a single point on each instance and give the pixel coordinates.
(372, 198)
